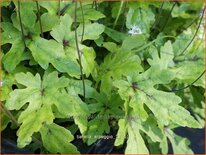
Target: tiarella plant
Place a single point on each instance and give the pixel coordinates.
(136, 67)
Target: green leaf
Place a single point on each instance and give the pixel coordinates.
(166, 58)
(4, 120)
(110, 46)
(63, 31)
(179, 145)
(121, 133)
(52, 7)
(115, 65)
(10, 33)
(49, 51)
(91, 31)
(184, 9)
(39, 94)
(28, 15)
(141, 17)
(164, 105)
(88, 59)
(150, 127)
(56, 139)
(14, 56)
(134, 41)
(115, 35)
(135, 143)
(104, 108)
(190, 67)
(48, 22)
(89, 14)
(32, 123)
(97, 127)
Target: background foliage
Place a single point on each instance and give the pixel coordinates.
(136, 67)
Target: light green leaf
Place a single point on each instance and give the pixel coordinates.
(110, 46)
(47, 22)
(164, 105)
(179, 145)
(88, 59)
(184, 9)
(49, 51)
(166, 58)
(91, 31)
(63, 31)
(14, 56)
(32, 123)
(52, 7)
(39, 94)
(121, 132)
(134, 41)
(135, 143)
(115, 35)
(28, 15)
(89, 14)
(56, 139)
(10, 34)
(115, 65)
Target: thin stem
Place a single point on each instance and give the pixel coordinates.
(21, 25)
(59, 8)
(83, 21)
(64, 9)
(159, 15)
(189, 84)
(9, 114)
(194, 34)
(118, 14)
(168, 16)
(93, 4)
(149, 44)
(38, 14)
(125, 7)
(78, 51)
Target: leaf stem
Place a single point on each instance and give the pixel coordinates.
(83, 21)
(9, 114)
(125, 7)
(159, 16)
(168, 16)
(38, 14)
(118, 14)
(21, 25)
(78, 51)
(189, 84)
(194, 34)
(59, 8)
(152, 42)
